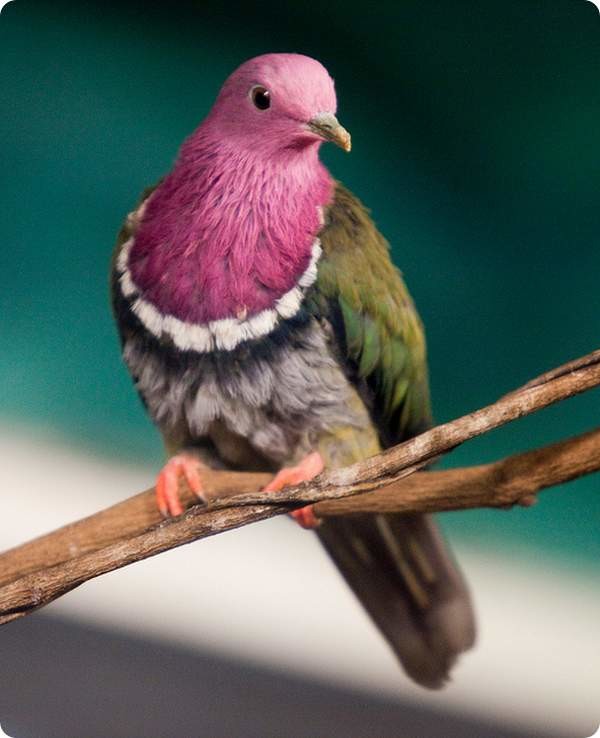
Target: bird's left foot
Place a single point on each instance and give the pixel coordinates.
(307, 469)
(182, 465)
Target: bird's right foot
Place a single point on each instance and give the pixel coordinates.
(183, 465)
(310, 466)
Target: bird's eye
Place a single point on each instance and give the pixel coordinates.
(261, 97)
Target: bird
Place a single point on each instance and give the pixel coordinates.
(266, 329)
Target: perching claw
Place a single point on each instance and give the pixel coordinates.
(167, 483)
(311, 466)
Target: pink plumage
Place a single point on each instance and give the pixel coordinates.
(230, 229)
(241, 368)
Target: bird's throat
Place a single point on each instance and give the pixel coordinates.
(229, 240)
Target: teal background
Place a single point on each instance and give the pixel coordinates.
(476, 144)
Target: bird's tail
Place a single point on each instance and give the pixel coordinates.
(402, 572)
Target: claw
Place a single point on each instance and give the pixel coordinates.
(307, 469)
(305, 517)
(167, 483)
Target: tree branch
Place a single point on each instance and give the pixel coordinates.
(38, 572)
(511, 481)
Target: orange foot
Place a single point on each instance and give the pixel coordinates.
(167, 482)
(307, 469)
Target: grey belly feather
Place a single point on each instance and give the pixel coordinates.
(277, 400)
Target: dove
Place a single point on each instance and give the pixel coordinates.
(266, 328)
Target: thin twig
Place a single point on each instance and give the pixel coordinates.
(511, 481)
(44, 569)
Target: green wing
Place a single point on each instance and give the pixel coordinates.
(379, 334)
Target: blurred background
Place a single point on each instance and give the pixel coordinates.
(476, 145)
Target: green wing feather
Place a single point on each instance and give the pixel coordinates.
(407, 581)
(379, 333)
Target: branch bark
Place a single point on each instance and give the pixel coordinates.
(38, 572)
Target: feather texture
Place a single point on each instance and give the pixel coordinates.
(397, 565)
(381, 336)
(262, 319)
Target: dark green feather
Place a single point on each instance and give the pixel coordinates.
(378, 330)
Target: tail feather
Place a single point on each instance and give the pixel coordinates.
(403, 574)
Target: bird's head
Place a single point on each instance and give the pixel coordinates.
(279, 102)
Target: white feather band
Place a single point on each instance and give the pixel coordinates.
(224, 334)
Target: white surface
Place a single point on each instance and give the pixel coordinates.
(268, 593)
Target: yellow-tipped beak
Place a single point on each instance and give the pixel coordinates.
(326, 126)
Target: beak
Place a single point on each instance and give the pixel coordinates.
(326, 126)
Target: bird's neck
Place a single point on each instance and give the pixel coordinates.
(229, 232)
